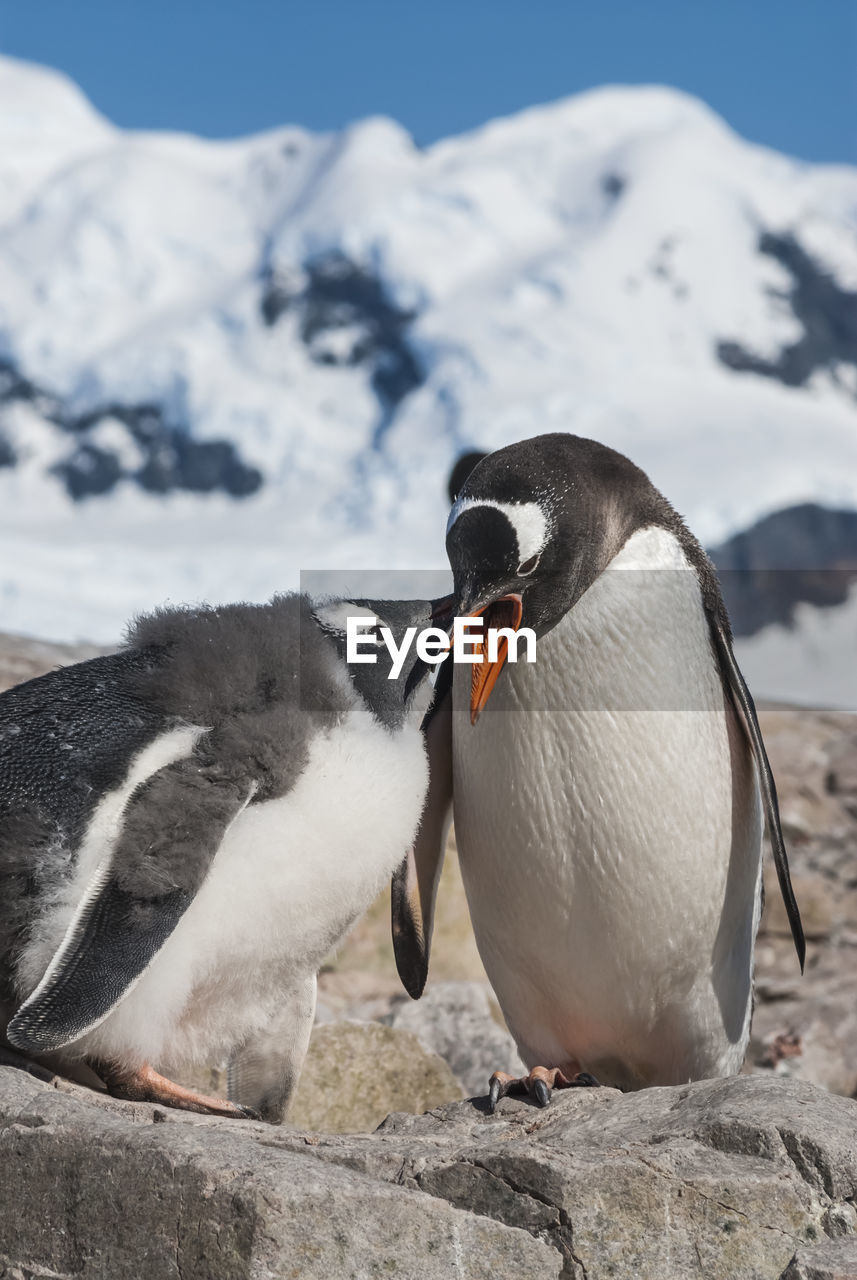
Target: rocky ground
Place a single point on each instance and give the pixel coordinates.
(745, 1179)
(755, 1177)
(807, 1026)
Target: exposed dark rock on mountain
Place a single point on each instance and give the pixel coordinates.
(13, 385)
(277, 296)
(89, 471)
(347, 318)
(827, 313)
(613, 184)
(806, 553)
(167, 458)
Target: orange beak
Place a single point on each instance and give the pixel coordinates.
(505, 612)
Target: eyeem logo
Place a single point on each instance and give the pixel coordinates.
(363, 635)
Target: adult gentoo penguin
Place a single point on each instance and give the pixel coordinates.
(609, 797)
(186, 829)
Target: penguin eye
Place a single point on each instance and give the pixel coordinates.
(526, 567)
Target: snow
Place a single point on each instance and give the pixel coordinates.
(46, 123)
(571, 268)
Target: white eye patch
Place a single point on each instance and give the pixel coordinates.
(526, 518)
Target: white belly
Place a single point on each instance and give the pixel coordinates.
(288, 880)
(609, 826)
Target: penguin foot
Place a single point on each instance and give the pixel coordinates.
(539, 1085)
(144, 1084)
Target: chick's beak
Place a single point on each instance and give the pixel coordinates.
(505, 612)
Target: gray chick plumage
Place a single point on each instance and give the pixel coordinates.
(176, 845)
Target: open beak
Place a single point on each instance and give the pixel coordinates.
(507, 611)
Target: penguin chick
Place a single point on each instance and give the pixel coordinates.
(188, 827)
(608, 797)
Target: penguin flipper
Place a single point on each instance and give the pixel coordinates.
(263, 1074)
(109, 946)
(172, 828)
(414, 887)
(744, 701)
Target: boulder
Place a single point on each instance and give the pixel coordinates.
(722, 1179)
(100, 1191)
(752, 1178)
(356, 1073)
(454, 1019)
(832, 1260)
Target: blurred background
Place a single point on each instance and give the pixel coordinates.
(267, 270)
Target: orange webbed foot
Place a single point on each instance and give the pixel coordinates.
(144, 1084)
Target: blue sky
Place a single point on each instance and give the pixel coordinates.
(782, 72)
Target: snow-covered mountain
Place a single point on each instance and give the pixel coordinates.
(223, 362)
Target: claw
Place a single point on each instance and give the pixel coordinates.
(500, 1085)
(539, 1084)
(583, 1080)
(541, 1093)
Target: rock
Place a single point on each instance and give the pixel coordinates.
(356, 1073)
(98, 1191)
(454, 1020)
(722, 1179)
(801, 553)
(842, 775)
(739, 1179)
(832, 1260)
(814, 758)
(825, 314)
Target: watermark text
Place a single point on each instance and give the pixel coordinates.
(364, 638)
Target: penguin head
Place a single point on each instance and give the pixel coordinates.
(534, 525)
(394, 688)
